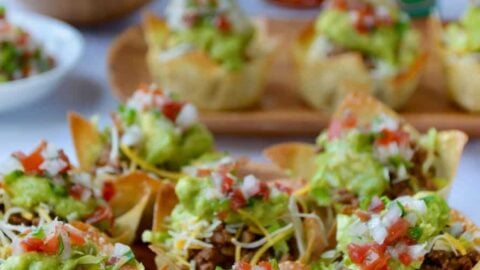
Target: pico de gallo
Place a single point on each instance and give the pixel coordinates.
(378, 30)
(406, 233)
(216, 27)
(63, 246)
(356, 162)
(20, 55)
(153, 131)
(43, 185)
(222, 219)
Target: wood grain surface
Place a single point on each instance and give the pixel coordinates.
(281, 111)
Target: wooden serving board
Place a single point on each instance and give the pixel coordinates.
(281, 111)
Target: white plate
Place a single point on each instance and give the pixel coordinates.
(60, 40)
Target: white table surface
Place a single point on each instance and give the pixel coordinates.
(86, 90)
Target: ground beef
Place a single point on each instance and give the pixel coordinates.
(424, 180)
(221, 254)
(223, 251)
(443, 260)
(348, 199)
(17, 219)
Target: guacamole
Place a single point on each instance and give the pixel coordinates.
(163, 131)
(200, 197)
(62, 246)
(380, 32)
(33, 261)
(218, 28)
(29, 192)
(348, 163)
(464, 35)
(357, 162)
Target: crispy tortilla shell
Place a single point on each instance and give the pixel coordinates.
(133, 204)
(299, 159)
(86, 139)
(462, 72)
(324, 81)
(195, 77)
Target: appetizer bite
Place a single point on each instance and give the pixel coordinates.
(459, 46)
(21, 55)
(59, 245)
(43, 186)
(209, 53)
(229, 221)
(368, 151)
(367, 45)
(418, 232)
(152, 131)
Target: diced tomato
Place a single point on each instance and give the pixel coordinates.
(191, 18)
(379, 263)
(376, 205)
(64, 158)
(388, 136)
(349, 121)
(243, 266)
(76, 191)
(222, 215)
(50, 246)
(396, 231)
(75, 236)
(22, 39)
(364, 216)
(31, 163)
(108, 191)
(237, 200)
(223, 24)
(405, 259)
(336, 127)
(203, 172)
(334, 130)
(369, 256)
(357, 253)
(340, 4)
(263, 190)
(283, 187)
(227, 184)
(171, 109)
(265, 265)
(366, 17)
(102, 213)
(30, 244)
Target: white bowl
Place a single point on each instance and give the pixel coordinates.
(60, 40)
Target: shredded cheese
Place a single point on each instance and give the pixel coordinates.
(255, 221)
(147, 166)
(284, 233)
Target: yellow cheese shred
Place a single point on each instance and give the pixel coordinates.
(255, 221)
(147, 166)
(277, 238)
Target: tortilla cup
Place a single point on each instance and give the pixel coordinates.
(195, 77)
(89, 146)
(315, 233)
(299, 159)
(133, 204)
(324, 81)
(462, 72)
